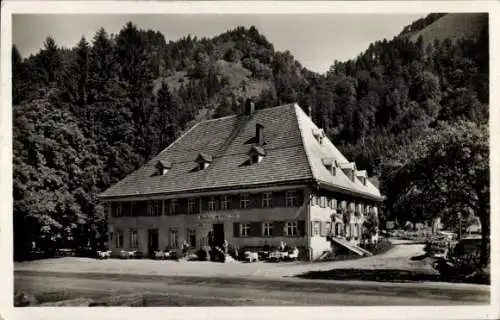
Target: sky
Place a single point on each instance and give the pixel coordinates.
(315, 40)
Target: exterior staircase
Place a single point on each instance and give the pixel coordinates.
(354, 248)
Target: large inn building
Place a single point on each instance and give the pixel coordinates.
(259, 177)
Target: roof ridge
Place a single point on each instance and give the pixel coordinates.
(240, 114)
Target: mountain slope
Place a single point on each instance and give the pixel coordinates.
(452, 26)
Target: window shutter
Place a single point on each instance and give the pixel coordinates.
(180, 206)
(301, 228)
(233, 201)
(281, 199)
(255, 199)
(322, 230)
(278, 228)
(236, 229)
(300, 197)
(216, 203)
(204, 203)
(256, 229)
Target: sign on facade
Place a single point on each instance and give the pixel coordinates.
(218, 217)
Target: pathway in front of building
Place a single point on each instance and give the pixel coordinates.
(208, 283)
(396, 258)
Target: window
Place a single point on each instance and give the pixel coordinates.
(133, 209)
(267, 229)
(211, 204)
(244, 229)
(333, 170)
(360, 208)
(333, 203)
(191, 237)
(174, 242)
(134, 241)
(291, 199)
(203, 160)
(118, 210)
(254, 159)
(316, 200)
(119, 238)
(266, 199)
(348, 233)
(291, 228)
(328, 227)
(244, 201)
(316, 228)
(351, 230)
(322, 202)
(150, 208)
(224, 203)
(157, 207)
(352, 206)
(191, 206)
(162, 167)
(125, 211)
(172, 208)
(319, 135)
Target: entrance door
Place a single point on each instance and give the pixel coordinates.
(218, 234)
(191, 237)
(152, 241)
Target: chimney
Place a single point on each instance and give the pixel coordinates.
(259, 134)
(249, 107)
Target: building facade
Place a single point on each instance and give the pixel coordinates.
(261, 177)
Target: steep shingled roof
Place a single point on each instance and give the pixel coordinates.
(316, 152)
(292, 154)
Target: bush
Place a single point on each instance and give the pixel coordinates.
(380, 247)
(24, 299)
(203, 255)
(436, 244)
(462, 269)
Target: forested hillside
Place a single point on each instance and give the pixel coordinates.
(85, 117)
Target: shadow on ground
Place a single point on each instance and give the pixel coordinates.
(420, 257)
(385, 275)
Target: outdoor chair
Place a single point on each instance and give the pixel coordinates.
(104, 254)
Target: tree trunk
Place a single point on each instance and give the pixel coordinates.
(485, 238)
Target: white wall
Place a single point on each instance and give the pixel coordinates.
(319, 243)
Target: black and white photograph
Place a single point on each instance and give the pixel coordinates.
(235, 159)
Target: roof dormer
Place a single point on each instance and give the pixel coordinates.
(162, 167)
(330, 164)
(256, 153)
(349, 169)
(318, 134)
(362, 176)
(203, 160)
